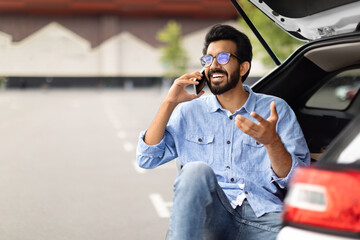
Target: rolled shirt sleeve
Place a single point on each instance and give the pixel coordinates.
(294, 142)
(151, 156)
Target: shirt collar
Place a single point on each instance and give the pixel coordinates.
(249, 105)
(213, 104)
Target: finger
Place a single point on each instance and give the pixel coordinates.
(245, 124)
(186, 82)
(189, 76)
(193, 75)
(246, 128)
(258, 117)
(201, 93)
(273, 111)
(194, 96)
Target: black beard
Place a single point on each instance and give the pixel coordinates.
(231, 83)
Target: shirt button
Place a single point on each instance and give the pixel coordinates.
(228, 167)
(246, 192)
(257, 143)
(228, 142)
(200, 140)
(232, 179)
(231, 117)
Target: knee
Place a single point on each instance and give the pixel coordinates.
(194, 169)
(197, 176)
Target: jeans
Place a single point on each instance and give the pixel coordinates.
(201, 210)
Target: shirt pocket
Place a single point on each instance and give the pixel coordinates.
(199, 148)
(254, 156)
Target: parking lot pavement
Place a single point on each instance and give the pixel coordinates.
(68, 170)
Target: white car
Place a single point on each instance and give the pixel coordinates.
(323, 200)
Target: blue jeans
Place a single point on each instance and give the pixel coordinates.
(201, 210)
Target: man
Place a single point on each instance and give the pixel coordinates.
(238, 148)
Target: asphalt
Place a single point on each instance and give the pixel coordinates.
(68, 170)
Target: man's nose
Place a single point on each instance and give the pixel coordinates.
(215, 64)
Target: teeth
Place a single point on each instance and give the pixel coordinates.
(217, 75)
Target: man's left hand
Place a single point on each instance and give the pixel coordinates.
(263, 132)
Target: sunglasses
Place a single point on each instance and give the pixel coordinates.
(222, 58)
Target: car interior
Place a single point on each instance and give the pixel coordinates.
(321, 82)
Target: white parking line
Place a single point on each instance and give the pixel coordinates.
(121, 134)
(129, 147)
(138, 169)
(110, 112)
(162, 208)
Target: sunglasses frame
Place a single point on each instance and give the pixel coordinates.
(212, 59)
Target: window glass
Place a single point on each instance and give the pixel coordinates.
(337, 93)
(351, 153)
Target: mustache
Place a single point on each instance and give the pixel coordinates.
(217, 71)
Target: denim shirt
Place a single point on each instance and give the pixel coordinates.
(201, 130)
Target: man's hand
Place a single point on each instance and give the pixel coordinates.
(263, 132)
(178, 93)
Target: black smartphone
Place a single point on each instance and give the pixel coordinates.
(202, 82)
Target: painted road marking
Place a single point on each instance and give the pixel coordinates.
(162, 208)
(129, 147)
(138, 169)
(112, 116)
(121, 134)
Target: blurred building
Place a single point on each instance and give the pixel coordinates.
(72, 42)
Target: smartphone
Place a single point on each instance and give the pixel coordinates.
(202, 82)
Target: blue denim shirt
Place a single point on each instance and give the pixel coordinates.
(201, 130)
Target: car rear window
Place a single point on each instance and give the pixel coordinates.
(338, 92)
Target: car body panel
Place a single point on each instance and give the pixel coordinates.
(331, 30)
(342, 158)
(312, 20)
(292, 233)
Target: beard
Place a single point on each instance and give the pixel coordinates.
(217, 88)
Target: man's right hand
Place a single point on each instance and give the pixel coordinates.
(178, 94)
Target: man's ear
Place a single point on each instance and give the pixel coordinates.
(244, 68)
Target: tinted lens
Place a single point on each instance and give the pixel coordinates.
(223, 58)
(206, 60)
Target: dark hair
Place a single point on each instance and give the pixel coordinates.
(226, 32)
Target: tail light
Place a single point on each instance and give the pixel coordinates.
(325, 200)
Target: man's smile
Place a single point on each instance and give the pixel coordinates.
(217, 77)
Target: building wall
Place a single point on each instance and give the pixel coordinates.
(93, 38)
(55, 50)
